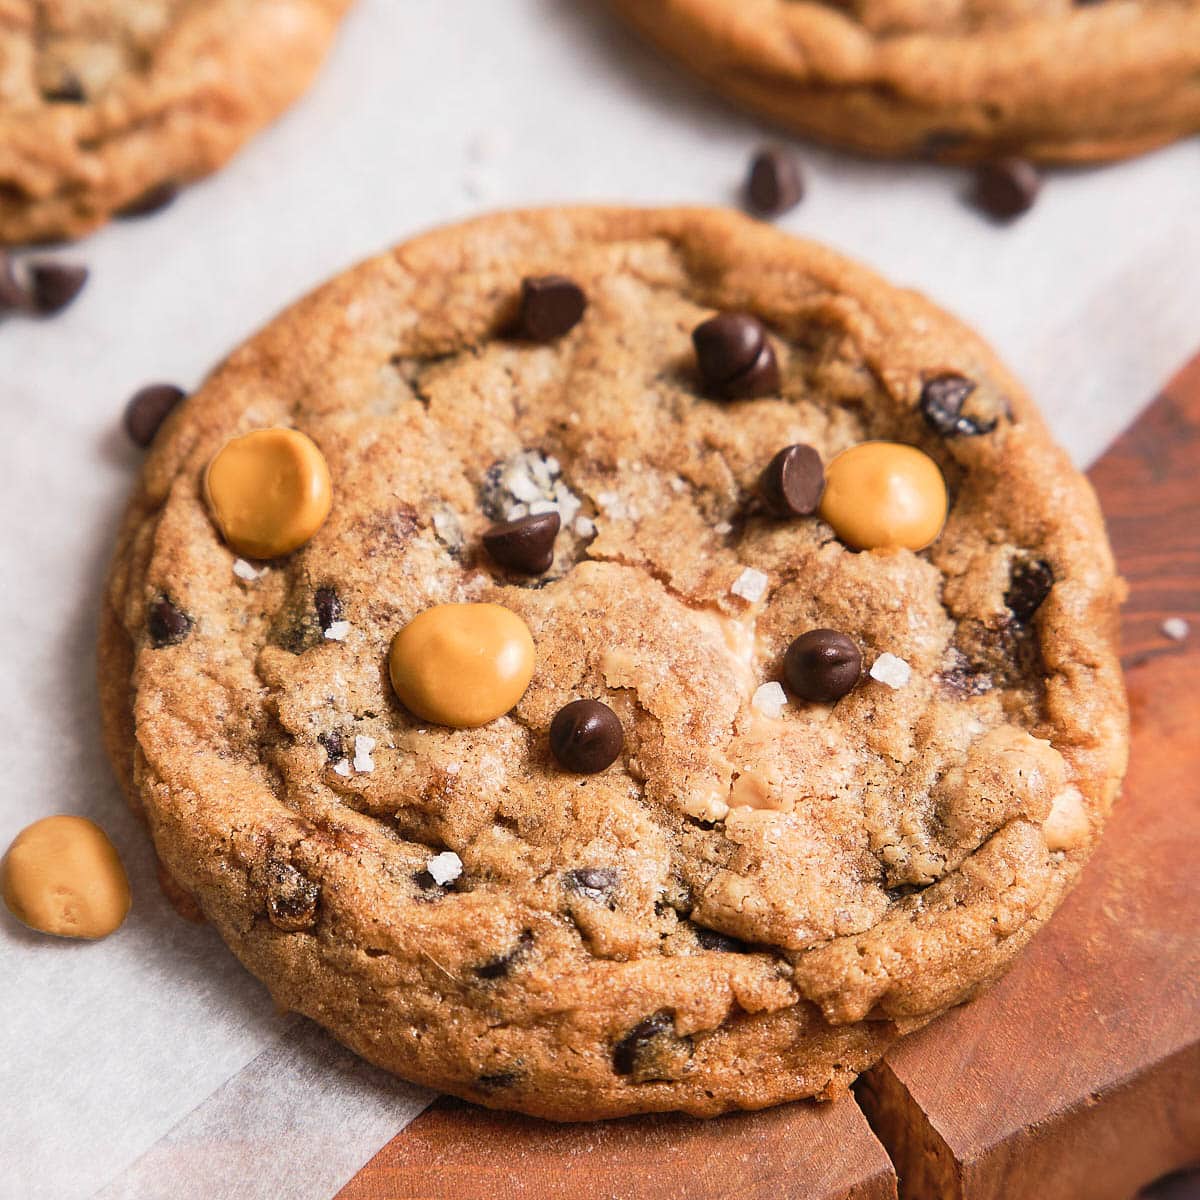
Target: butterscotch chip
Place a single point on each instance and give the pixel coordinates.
(632, 874)
(63, 876)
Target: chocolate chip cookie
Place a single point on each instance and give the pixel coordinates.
(677, 662)
(107, 106)
(1056, 80)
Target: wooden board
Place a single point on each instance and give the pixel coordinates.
(1077, 1076)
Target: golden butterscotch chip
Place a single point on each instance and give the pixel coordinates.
(268, 491)
(884, 495)
(462, 665)
(63, 876)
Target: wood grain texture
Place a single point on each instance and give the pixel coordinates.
(455, 1151)
(1078, 1075)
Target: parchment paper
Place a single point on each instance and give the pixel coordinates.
(150, 1064)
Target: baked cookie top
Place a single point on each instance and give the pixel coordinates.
(758, 891)
(1060, 80)
(105, 102)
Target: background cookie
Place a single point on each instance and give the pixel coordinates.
(752, 900)
(105, 107)
(959, 80)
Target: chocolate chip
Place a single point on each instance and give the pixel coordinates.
(67, 90)
(1006, 188)
(498, 967)
(291, 898)
(793, 481)
(551, 305)
(152, 200)
(12, 294)
(147, 410)
(526, 544)
(595, 883)
(586, 736)
(329, 607)
(652, 1050)
(168, 626)
(710, 939)
(822, 665)
(774, 184)
(1029, 584)
(735, 356)
(335, 747)
(497, 1080)
(53, 285)
(942, 399)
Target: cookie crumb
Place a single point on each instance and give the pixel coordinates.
(751, 585)
(362, 753)
(769, 699)
(247, 571)
(444, 868)
(337, 631)
(1176, 628)
(893, 671)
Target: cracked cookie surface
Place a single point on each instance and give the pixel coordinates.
(1054, 80)
(105, 102)
(753, 900)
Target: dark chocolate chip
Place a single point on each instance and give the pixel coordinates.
(822, 665)
(329, 607)
(152, 200)
(335, 747)
(498, 967)
(67, 90)
(1006, 188)
(291, 898)
(942, 400)
(774, 184)
(147, 410)
(586, 736)
(1029, 584)
(526, 544)
(53, 285)
(551, 305)
(596, 883)
(735, 356)
(652, 1050)
(498, 1079)
(792, 483)
(168, 625)
(710, 939)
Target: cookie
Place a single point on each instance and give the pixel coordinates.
(1054, 80)
(108, 106)
(576, 763)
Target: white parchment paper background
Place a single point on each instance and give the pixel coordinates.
(150, 1065)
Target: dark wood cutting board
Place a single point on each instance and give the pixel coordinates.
(1077, 1076)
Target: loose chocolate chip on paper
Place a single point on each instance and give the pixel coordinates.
(526, 544)
(1029, 585)
(167, 625)
(652, 1050)
(735, 356)
(329, 607)
(551, 305)
(774, 184)
(792, 483)
(152, 200)
(53, 285)
(942, 400)
(586, 736)
(147, 410)
(1006, 188)
(822, 665)
(594, 883)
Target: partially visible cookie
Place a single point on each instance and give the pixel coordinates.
(1054, 80)
(703, 674)
(109, 105)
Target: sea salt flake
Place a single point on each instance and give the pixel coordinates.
(1176, 628)
(542, 506)
(893, 671)
(337, 631)
(342, 768)
(751, 585)
(247, 571)
(362, 753)
(445, 867)
(769, 699)
(721, 528)
(585, 527)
